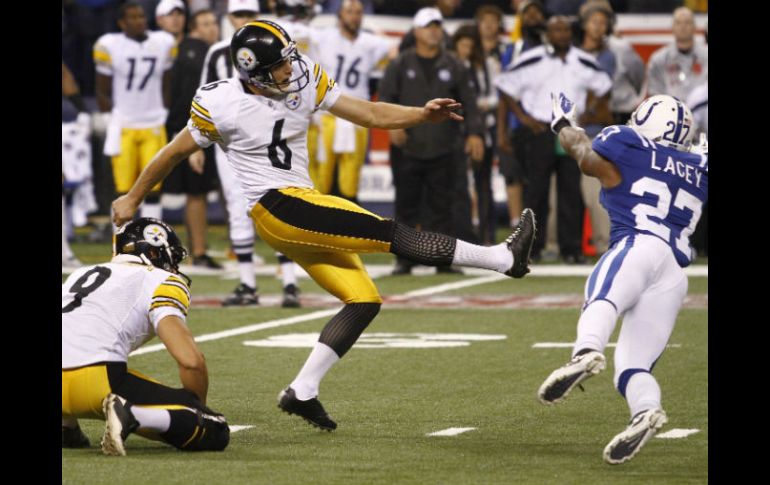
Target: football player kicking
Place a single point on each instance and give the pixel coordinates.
(261, 117)
(654, 184)
(110, 310)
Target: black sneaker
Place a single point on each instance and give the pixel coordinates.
(311, 410)
(290, 297)
(205, 261)
(402, 268)
(576, 258)
(243, 295)
(119, 423)
(520, 244)
(448, 270)
(74, 438)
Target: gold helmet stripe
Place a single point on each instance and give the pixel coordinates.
(272, 30)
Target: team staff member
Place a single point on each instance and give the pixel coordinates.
(431, 153)
(526, 87)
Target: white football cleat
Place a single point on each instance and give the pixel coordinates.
(642, 427)
(561, 381)
(119, 423)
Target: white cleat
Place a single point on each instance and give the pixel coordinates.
(561, 381)
(119, 423)
(627, 444)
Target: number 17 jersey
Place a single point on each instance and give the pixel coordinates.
(265, 138)
(662, 192)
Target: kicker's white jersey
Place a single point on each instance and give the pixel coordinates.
(350, 62)
(137, 75)
(111, 309)
(265, 138)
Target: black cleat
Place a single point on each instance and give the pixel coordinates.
(205, 261)
(243, 295)
(290, 297)
(520, 244)
(74, 438)
(402, 268)
(119, 423)
(311, 410)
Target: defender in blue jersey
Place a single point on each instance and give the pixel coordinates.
(654, 183)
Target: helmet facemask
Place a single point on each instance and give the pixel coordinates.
(263, 77)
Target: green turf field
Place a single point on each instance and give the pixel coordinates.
(386, 400)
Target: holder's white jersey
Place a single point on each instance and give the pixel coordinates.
(137, 75)
(265, 138)
(111, 309)
(351, 62)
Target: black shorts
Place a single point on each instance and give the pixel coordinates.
(183, 180)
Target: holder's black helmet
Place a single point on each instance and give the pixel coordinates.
(152, 240)
(258, 47)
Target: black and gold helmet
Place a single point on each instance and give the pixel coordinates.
(153, 241)
(258, 47)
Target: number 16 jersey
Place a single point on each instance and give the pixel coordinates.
(265, 138)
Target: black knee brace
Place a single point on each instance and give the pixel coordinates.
(194, 430)
(344, 328)
(430, 248)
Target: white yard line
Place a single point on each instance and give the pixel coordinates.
(432, 290)
(247, 329)
(234, 428)
(677, 433)
(450, 432)
(569, 345)
(282, 322)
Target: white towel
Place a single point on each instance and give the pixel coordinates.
(344, 136)
(112, 140)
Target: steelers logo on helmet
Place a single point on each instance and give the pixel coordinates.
(246, 58)
(259, 51)
(155, 235)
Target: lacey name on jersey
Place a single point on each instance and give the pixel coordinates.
(687, 172)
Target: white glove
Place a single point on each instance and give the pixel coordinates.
(702, 147)
(84, 121)
(100, 121)
(563, 113)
